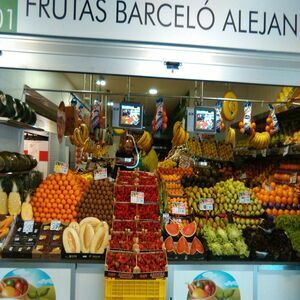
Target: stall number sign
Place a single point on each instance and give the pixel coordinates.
(293, 178)
(100, 174)
(28, 226)
(137, 197)
(178, 208)
(207, 204)
(244, 197)
(55, 225)
(61, 167)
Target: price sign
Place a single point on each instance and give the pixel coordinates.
(267, 188)
(166, 217)
(28, 226)
(207, 204)
(264, 153)
(100, 174)
(137, 197)
(244, 197)
(55, 225)
(286, 150)
(243, 176)
(253, 153)
(61, 167)
(178, 208)
(293, 178)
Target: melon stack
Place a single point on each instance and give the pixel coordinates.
(136, 244)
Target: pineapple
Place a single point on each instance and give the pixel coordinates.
(3, 202)
(14, 201)
(26, 210)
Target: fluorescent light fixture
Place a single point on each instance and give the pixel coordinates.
(101, 82)
(110, 103)
(153, 91)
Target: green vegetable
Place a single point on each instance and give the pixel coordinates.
(216, 248)
(233, 232)
(222, 235)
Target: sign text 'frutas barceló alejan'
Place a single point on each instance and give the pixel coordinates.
(268, 25)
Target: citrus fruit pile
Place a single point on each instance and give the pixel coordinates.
(57, 196)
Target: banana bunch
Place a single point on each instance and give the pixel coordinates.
(180, 136)
(80, 136)
(145, 142)
(260, 140)
(99, 151)
(230, 138)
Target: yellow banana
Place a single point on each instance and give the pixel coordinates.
(84, 131)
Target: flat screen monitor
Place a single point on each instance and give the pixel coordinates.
(205, 120)
(131, 115)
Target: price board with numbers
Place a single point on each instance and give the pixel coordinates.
(179, 208)
(137, 197)
(244, 197)
(207, 204)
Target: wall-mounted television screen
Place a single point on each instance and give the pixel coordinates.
(205, 120)
(131, 115)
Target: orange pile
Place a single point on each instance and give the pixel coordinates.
(278, 198)
(57, 196)
(176, 171)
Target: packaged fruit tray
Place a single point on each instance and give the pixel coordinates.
(7, 225)
(131, 211)
(142, 241)
(135, 289)
(130, 265)
(136, 225)
(123, 192)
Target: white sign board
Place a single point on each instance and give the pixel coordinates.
(269, 25)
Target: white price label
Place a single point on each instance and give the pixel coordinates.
(293, 178)
(55, 225)
(264, 153)
(178, 208)
(137, 197)
(207, 204)
(286, 150)
(254, 153)
(100, 174)
(61, 167)
(244, 197)
(267, 188)
(28, 226)
(166, 218)
(243, 176)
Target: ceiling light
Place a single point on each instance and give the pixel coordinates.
(101, 82)
(153, 91)
(110, 103)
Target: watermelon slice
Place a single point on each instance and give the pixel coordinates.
(172, 229)
(183, 246)
(189, 229)
(196, 246)
(169, 244)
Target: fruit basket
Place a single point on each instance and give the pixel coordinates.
(120, 225)
(122, 240)
(118, 289)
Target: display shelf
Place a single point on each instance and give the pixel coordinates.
(17, 124)
(244, 151)
(14, 173)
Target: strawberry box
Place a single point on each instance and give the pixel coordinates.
(125, 211)
(120, 225)
(121, 240)
(149, 241)
(120, 261)
(149, 262)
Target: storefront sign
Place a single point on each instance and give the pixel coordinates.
(268, 25)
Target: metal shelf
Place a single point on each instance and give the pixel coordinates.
(16, 124)
(14, 173)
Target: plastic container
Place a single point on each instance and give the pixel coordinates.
(119, 289)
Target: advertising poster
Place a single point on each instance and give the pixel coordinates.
(35, 284)
(213, 285)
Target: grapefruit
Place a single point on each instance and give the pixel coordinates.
(183, 246)
(189, 229)
(169, 244)
(196, 246)
(172, 229)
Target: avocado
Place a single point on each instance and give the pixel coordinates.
(9, 110)
(26, 116)
(19, 110)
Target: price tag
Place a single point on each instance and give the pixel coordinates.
(286, 150)
(267, 188)
(293, 178)
(178, 208)
(55, 225)
(28, 226)
(244, 197)
(264, 153)
(253, 153)
(166, 218)
(243, 176)
(61, 167)
(137, 197)
(100, 174)
(207, 204)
